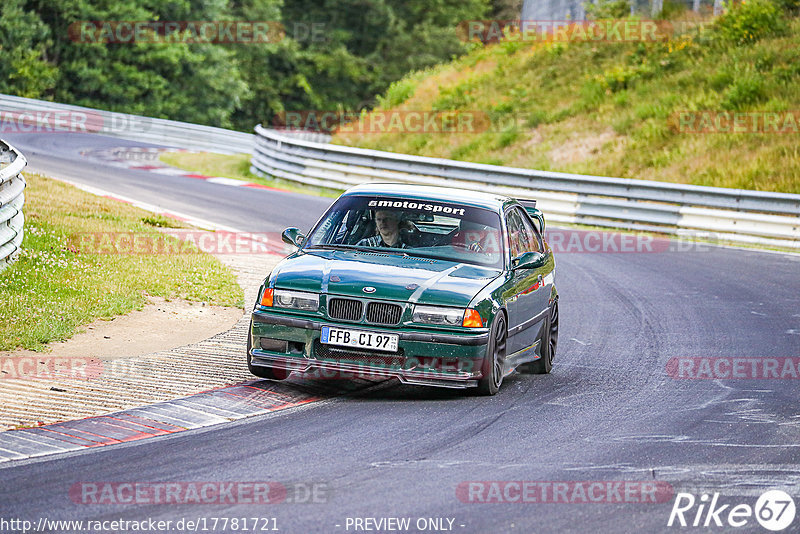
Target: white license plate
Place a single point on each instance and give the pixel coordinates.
(360, 339)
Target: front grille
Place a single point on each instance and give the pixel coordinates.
(359, 357)
(345, 309)
(383, 313)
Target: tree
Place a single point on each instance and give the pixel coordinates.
(24, 69)
(178, 80)
(337, 54)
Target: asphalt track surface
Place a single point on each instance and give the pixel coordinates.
(610, 411)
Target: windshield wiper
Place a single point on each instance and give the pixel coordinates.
(377, 250)
(332, 246)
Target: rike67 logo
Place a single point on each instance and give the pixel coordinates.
(774, 510)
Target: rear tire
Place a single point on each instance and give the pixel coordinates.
(269, 373)
(544, 365)
(494, 362)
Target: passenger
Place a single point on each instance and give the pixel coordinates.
(387, 224)
(471, 236)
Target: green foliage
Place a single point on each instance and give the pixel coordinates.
(593, 92)
(336, 55)
(506, 9)
(612, 109)
(607, 9)
(672, 9)
(192, 82)
(507, 138)
(745, 91)
(749, 21)
(622, 77)
(398, 92)
(60, 283)
(791, 7)
(23, 38)
(457, 97)
(159, 221)
(366, 47)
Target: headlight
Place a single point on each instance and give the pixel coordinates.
(295, 300)
(437, 315)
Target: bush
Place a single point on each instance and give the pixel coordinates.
(608, 9)
(792, 7)
(744, 92)
(507, 138)
(672, 9)
(749, 21)
(458, 97)
(398, 92)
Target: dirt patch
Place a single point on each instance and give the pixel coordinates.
(580, 149)
(127, 380)
(160, 325)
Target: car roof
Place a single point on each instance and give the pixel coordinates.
(430, 192)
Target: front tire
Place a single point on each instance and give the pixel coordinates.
(269, 373)
(494, 362)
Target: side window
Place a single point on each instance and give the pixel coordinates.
(520, 234)
(532, 231)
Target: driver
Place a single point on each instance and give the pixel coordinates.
(388, 225)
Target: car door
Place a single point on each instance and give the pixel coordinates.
(526, 293)
(544, 274)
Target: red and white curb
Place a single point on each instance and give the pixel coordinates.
(197, 411)
(147, 159)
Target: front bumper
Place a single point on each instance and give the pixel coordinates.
(424, 357)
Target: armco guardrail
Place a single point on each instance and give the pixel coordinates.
(27, 115)
(12, 185)
(728, 214)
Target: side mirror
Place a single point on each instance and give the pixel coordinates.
(529, 260)
(292, 236)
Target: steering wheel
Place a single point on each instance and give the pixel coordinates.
(457, 242)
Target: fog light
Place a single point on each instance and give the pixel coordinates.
(274, 345)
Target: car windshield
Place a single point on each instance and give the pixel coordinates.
(430, 229)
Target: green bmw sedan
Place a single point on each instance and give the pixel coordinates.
(432, 286)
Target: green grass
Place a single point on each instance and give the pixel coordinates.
(611, 109)
(236, 167)
(54, 288)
